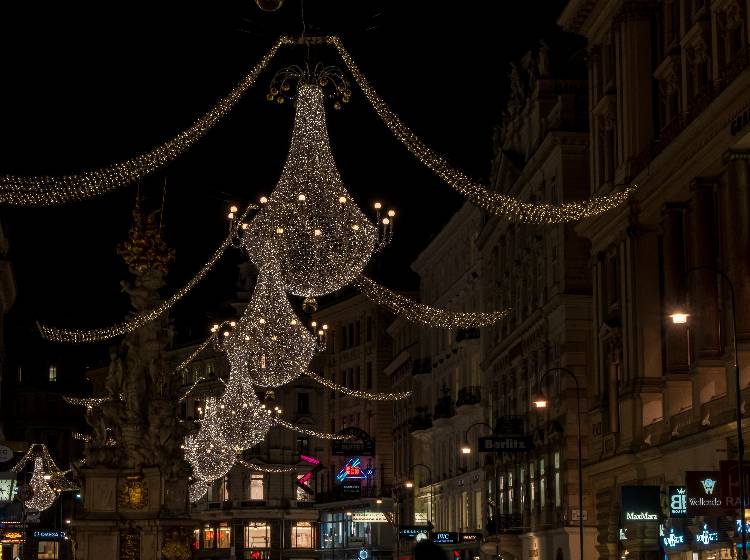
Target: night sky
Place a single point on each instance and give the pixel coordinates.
(86, 86)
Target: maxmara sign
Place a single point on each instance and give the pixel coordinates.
(640, 504)
(642, 516)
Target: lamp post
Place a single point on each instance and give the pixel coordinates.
(541, 402)
(466, 450)
(681, 317)
(410, 484)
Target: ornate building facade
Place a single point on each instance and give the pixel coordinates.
(541, 273)
(668, 104)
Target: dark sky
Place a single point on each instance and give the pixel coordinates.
(86, 86)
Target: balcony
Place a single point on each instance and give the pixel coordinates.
(420, 366)
(467, 334)
(471, 394)
(422, 421)
(444, 408)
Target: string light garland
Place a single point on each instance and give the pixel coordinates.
(43, 496)
(308, 432)
(309, 230)
(45, 191)
(49, 467)
(88, 402)
(56, 334)
(505, 206)
(416, 312)
(272, 469)
(355, 393)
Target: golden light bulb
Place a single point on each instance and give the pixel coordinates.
(355, 227)
(321, 332)
(232, 208)
(230, 215)
(342, 199)
(314, 323)
(293, 322)
(263, 200)
(318, 233)
(391, 213)
(245, 225)
(226, 333)
(279, 230)
(262, 321)
(325, 327)
(232, 323)
(386, 221)
(301, 197)
(378, 206)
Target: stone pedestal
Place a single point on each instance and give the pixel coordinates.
(131, 515)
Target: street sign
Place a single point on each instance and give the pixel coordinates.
(6, 454)
(505, 444)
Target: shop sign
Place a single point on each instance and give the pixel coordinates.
(369, 517)
(445, 538)
(730, 482)
(351, 488)
(470, 537)
(640, 504)
(673, 539)
(364, 447)
(49, 535)
(677, 501)
(739, 530)
(703, 493)
(353, 469)
(505, 444)
(413, 532)
(706, 536)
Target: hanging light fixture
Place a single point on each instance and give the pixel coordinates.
(43, 496)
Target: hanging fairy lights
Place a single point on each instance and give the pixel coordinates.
(239, 419)
(88, 402)
(505, 206)
(356, 393)
(43, 496)
(197, 490)
(272, 469)
(56, 334)
(416, 312)
(309, 228)
(308, 431)
(44, 190)
(269, 343)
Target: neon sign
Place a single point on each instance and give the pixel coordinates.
(672, 540)
(303, 479)
(353, 470)
(706, 536)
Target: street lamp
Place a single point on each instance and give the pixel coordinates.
(410, 484)
(680, 317)
(540, 402)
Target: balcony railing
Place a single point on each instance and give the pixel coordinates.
(444, 408)
(420, 422)
(467, 334)
(471, 394)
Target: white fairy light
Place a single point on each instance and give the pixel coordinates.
(197, 490)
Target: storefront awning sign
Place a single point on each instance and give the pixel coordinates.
(704, 493)
(369, 517)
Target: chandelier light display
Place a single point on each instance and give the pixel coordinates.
(308, 238)
(309, 228)
(43, 496)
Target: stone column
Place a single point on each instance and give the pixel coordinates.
(735, 228)
(673, 255)
(704, 308)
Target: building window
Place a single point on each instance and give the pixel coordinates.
(256, 486)
(223, 489)
(478, 510)
(209, 536)
(210, 368)
(302, 535)
(522, 482)
(196, 373)
(53, 373)
(48, 550)
(510, 492)
(225, 535)
(368, 381)
(501, 495)
(303, 403)
(257, 535)
(196, 539)
(558, 490)
(465, 508)
(532, 486)
(542, 485)
(303, 445)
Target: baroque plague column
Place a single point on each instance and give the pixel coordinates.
(133, 478)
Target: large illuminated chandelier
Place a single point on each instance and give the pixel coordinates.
(309, 229)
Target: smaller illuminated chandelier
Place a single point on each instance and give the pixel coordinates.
(43, 496)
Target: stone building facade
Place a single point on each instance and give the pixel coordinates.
(668, 104)
(541, 273)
